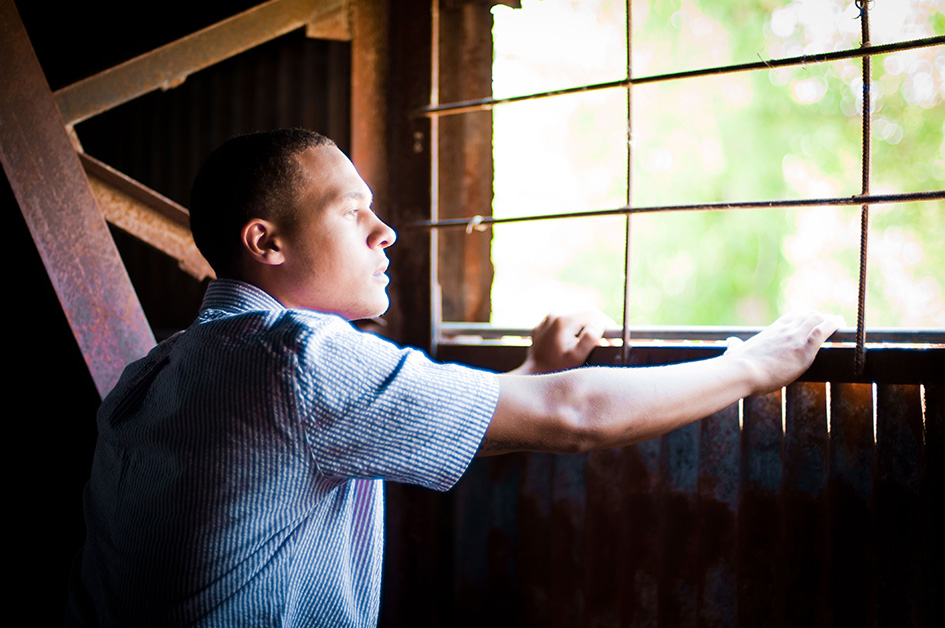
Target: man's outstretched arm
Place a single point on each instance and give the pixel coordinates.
(596, 408)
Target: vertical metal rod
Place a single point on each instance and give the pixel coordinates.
(436, 301)
(625, 348)
(859, 355)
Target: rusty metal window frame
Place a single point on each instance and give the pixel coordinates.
(921, 340)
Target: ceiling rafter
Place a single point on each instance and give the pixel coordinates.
(168, 66)
(145, 214)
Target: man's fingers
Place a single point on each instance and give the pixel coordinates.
(825, 329)
(588, 339)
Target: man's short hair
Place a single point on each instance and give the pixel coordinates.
(250, 176)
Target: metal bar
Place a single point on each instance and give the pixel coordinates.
(481, 222)
(121, 182)
(468, 106)
(628, 29)
(891, 365)
(168, 66)
(70, 234)
(462, 332)
(436, 297)
(859, 357)
(145, 214)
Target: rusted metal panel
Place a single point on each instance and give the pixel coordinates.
(718, 465)
(640, 521)
(678, 569)
(899, 525)
(759, 522)
(485, 537)
(64, 220)
(168, 66)
(567, 512)
(604, 541)
(850, 563)
(933, 495)
(804, 464)
(147, 215)
(778, 530)
(501, 540)
(534, 533)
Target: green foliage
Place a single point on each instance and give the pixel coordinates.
(770, 134)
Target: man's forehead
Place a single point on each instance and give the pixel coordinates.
(330, 174)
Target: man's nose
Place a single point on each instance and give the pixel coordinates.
(382, 236)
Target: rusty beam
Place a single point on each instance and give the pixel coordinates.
(60, 211)
(147, 215)
(168, 66)
(369, 65)
(886, 365)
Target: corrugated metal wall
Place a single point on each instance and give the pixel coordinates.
(776, 522)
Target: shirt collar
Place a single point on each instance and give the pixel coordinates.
(228, 297)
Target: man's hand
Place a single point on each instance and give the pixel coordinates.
(781, 352)
(562, 342)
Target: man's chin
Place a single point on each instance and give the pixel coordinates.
(372, 314)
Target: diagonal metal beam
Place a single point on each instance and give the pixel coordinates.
(145, 214)
(168, 66)
(53, 193)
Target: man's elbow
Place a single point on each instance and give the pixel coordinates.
(579, 427)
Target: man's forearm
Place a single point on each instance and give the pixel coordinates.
(596, 408)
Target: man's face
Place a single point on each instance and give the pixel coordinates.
(335, 255)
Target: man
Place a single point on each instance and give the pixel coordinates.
(237, 476)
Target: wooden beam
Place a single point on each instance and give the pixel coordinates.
(53, 193)
(168, 66)
(147, 215)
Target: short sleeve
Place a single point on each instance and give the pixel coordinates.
(375, 410)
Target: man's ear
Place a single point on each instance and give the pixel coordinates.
(261, 241)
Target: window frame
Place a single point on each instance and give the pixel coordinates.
(896, 355)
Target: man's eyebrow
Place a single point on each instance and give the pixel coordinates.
(358, 196)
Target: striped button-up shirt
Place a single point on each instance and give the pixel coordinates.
(237, 477)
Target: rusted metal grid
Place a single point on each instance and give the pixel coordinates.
(435, 110)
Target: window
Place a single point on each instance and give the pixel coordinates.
(728, 105)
